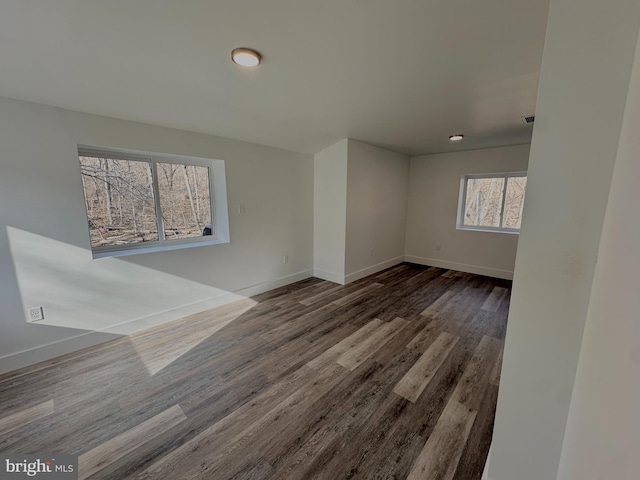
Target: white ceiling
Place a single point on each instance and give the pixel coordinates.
(401, 74)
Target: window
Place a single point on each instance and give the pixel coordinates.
(492, 202)
(139, 202)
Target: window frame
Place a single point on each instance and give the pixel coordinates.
(462, 201)
(217, 201)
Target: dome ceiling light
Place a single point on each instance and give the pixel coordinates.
(245, 57)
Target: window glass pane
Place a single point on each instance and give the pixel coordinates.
(184, 200)
(119, 200)
(514, 201)
(483, 202)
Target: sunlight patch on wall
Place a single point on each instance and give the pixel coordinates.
(108, 294)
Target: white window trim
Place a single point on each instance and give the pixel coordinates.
(462, 201)
(218, 198)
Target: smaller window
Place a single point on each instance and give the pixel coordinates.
(492, 202)
(139, 202)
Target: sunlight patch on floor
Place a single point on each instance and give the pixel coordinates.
(208, 323)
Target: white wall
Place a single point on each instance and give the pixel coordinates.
(583, 89)
(329, 212)
(377, 185)
(45, 254)
(434, 188)
(602, 439)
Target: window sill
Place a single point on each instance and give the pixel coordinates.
(156, 248)
(488, 230)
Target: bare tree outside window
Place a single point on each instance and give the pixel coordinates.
(483, 202)
(184, 199)
(122, 208)
(492, 202)
(119, 201)
(514, 201)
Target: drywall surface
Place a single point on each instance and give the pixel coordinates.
(329, 212)
(602, 439)
(45, 256)
(583, 90)
(377, 185)
(434, 187)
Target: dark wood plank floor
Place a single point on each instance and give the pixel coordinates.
(393, 376)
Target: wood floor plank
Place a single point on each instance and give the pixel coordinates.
(453, 274)
(94, 460)
(425, 275)
(322, 295)
(297, 326)
(417, 379)
(357, 412)
(495, 299)
(377, 305)
(345, 300)
(391, 271)
(436, 307)
(487, 323)
(216, 436)
(471, 387)
(302, 293)
(171, 390)
(427, 335)
(292, 383)
(400, 445)
(441, 454)
(320, 331)
(369, 423)
(474, 455)
(345, 345)
(404, 440)
(26, 416)
(78, 429)
(460, 309)
(301, 444)
(295, 467)
(354, 357)
(418, 295)
(265, 430)
(391, 348)
(494, 377)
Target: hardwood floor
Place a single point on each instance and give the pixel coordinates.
(393, 376)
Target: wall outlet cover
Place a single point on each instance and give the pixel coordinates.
(36, 314)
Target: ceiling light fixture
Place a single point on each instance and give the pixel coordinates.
(456, 138)
(245, 57)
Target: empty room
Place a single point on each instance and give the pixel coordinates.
(348, 239)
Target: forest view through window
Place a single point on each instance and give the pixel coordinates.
(134, 202)
(492, 202)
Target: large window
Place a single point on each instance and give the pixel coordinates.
(492, 202)
(140, 202)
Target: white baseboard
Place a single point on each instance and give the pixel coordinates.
(43, 353)
(89, 339)
(352, 277)
(276, 283)
(461, 267)
(331, 277)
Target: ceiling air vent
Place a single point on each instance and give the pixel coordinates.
(528, 120)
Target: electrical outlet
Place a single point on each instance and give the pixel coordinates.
(438, 247)
(36, 314)
(241, 208)
(371, 252)
(285, 259)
